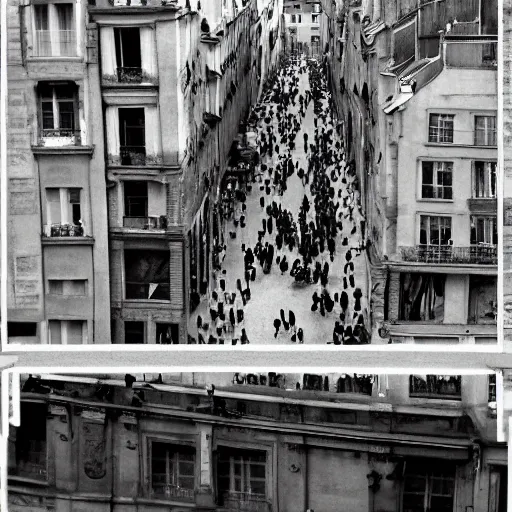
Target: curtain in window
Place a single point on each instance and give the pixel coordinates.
(108, 51)
(113, 141)
(422, 297)
(156, 199)
(148, 53)
(54, 25)
(152, 134)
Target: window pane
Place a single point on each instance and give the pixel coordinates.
(55, 332)
(41, 17)
(75, 334)
(55, 287)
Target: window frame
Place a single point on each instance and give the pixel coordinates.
(64, 332)
(56, 113)
(65, 284)
(186, 440)
(271, 462)
(490, 228)
(440, 127)
(489, 134)
(434, 396)
(447, 166)
(429, 234)
(66, 208)
(475, 181)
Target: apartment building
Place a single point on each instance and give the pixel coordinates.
(257, 442)
(57, 264)
(121, 118)
(303, 21)
(426, 153)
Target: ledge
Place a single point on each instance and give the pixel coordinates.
(171, 233)
(445, 330)
(442, 268)
(63, 150)
(67, 240)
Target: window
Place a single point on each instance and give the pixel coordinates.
(491, 388)
(167, 334)
(54, 30)
(484, 179)
(147, 274)
(67, 332)
(294, 18)
(64, 212)
(483, 297)
(68, 287)
(422, 297)
(316, 8)
(29, 441)
(21, 329)
(356, 383)
(132, 136)
(315, 18)
(435, 386)
(58, 109)
(128, 54)
(135, 199)
(241, 475)
(484, 230)
(485, 131)
(436, 180)
(299, 18)
(134, 332)
(172, 471)
(428, 486)
(435, 230)
(440, 128)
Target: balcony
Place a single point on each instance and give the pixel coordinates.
(172, 491)
(145, 222)
(483, 205)
(55, 43)
(63, 230)
(245, 502)
(133, 155)
(59, 137)
(482, 254)
(471, 52)
(129, 75)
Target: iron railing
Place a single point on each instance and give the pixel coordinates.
(484, 254)
(129, 75)
(63, 230)
(133, 155)
(245, 502)
(172, 491)
(67, 136)
(55, 43)
(145, 222)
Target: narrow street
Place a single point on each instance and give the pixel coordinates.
(324, 285)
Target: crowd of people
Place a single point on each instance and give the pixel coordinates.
(323, 237)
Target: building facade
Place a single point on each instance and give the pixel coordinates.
(122, 115)
(426, 154)
(257, 442)
(303, 20)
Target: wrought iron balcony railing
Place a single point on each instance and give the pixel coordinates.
(145, 222)
(129, 75)
(55, 43)
(172, 491)
(483, 254)
(59, 137)
(133, 155)
(63, 230)
(245, 502)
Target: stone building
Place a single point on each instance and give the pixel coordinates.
(415, 84)
(303, 20)
(122, 115)
(257, 443)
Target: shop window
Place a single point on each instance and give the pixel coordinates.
(422, 297)
(28, 443)
(428, 486)
(172, 471)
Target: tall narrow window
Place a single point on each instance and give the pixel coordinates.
(64, 212)
(54, 30)
(128, 54)
(58, 109)
(428, 486)
(422, 297)
(436, 180)
(484, 230)
(132, 136)
(172, 471)
(440, 128)
(135, 203)
(484, 179)
(485, 131)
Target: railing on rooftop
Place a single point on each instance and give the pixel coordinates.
(483, 254)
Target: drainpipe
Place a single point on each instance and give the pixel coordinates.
(306, 486)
